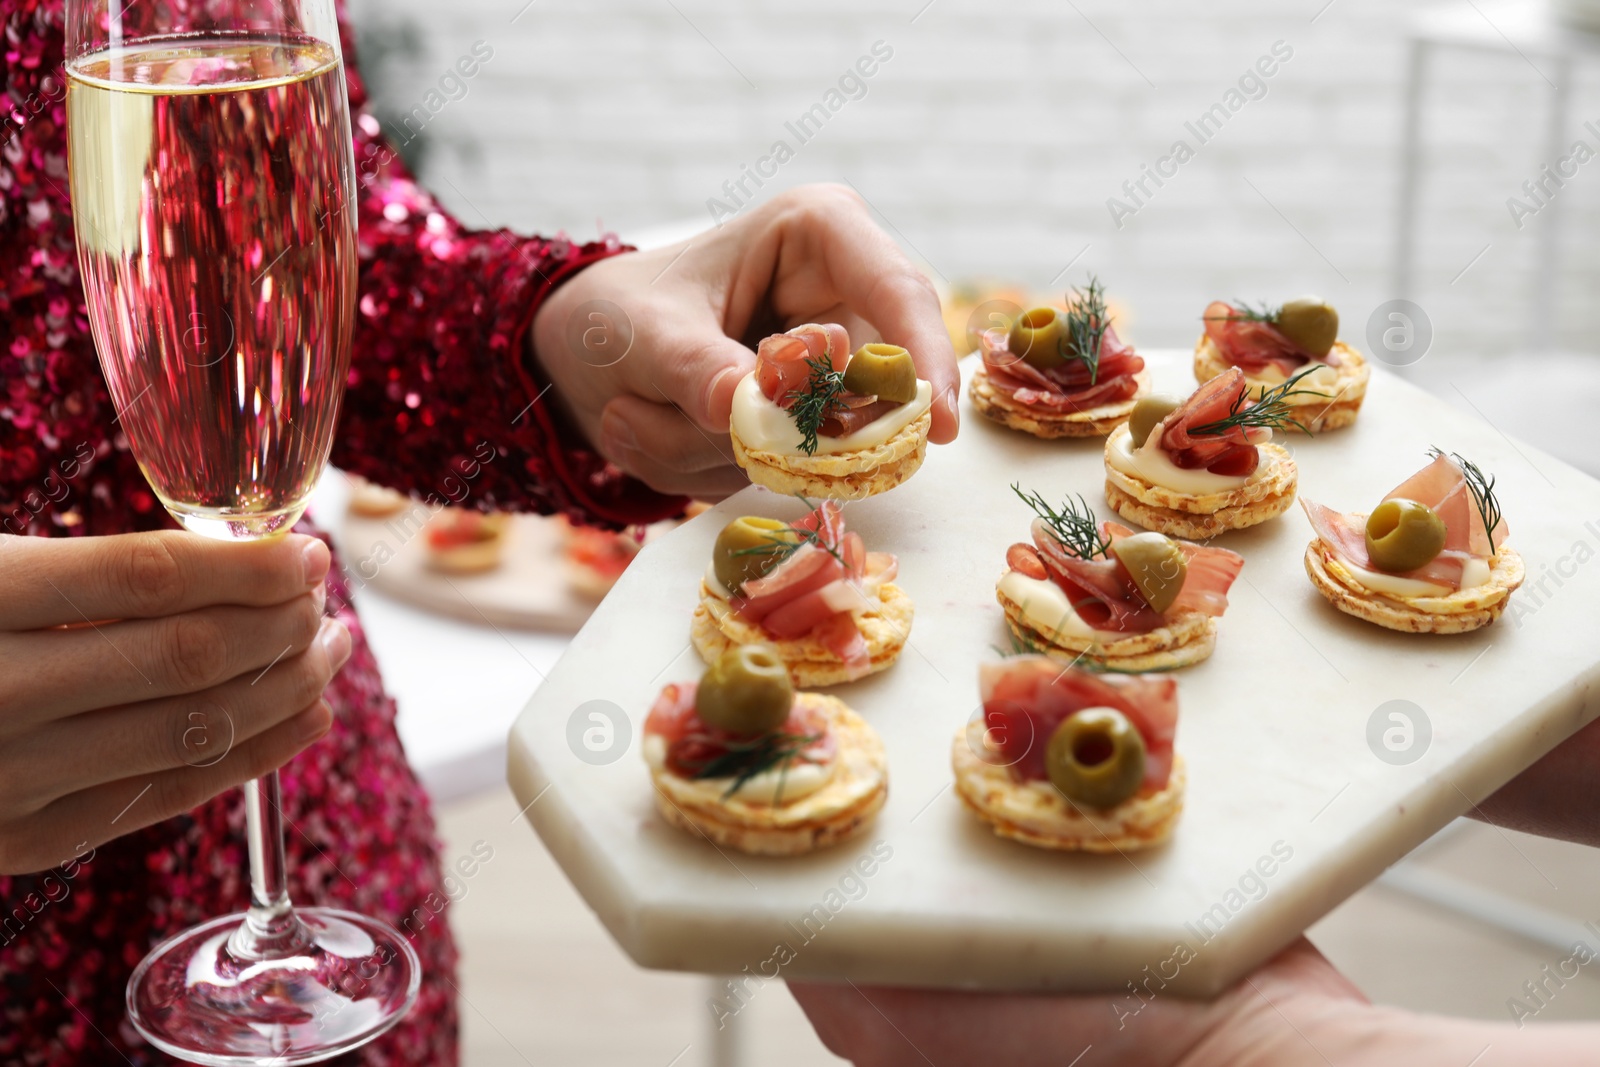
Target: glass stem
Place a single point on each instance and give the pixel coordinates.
(270, 929)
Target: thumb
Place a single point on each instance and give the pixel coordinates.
(696, 373)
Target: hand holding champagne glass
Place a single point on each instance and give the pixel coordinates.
(212, 192)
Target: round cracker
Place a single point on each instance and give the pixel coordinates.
(1189, 638)
(715, 629)
(1460, 612)
(1195, 527)
(997, 406)
(838, 810)
(839, 475)
(1321, 413)
(1037, 813)
(1268, 493)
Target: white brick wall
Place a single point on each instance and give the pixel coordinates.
(994, 136)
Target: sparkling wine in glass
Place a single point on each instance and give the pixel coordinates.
(212, 185)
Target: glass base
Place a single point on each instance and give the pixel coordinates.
(232, 524)
(194, 998)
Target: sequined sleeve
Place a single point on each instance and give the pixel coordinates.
(445, 398)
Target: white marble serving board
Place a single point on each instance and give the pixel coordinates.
(1274, 728)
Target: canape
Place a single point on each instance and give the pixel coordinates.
(1199, 467)
(814, 418)
(746, 762)
(1059, 373)
(811, 590)
(596, 558)
(372, 501)
(1272, 344)
(1430, 558)
(1070, 759)
(461, 541)
(1134, 601)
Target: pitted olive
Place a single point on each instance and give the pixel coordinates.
(747, 548)
(1148, 411)
(883, 371)
(1037, 336)
(1310, 323)
(1403, 535)
(1096, 757)
(747, 691)
(1156, 564)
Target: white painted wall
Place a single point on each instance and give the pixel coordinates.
(992, 139)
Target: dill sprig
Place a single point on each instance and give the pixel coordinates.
(1020, 645)
(785, 542)
(1481, 486)
(1073, 525)
(1088, 660)
(1244, 312)
(813, 404)
(1086, 320)
(1272, 411)
(744, 758)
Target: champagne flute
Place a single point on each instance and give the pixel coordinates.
(212, 182)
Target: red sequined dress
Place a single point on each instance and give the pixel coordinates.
(443, 392)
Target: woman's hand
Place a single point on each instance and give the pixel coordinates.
(1557, 797)
(692, 314)
(875, 1027)
(141, 675)
(1297, 1011)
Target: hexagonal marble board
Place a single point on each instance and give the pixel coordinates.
(1290, 808)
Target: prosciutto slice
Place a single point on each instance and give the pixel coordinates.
(1099, 590)
(1252, 345)
(1443, 487)
(1026, 697)
(1440, 485)
(1230, 452)
(1065, 388)
(783, 368)
(782, 359)
(692, 745)
(1208, 573)
(1102, 592)
(820, 592)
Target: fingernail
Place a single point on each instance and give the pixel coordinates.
(319, 597)
(617, 433)
(314, 561)
(336, 642)
(312, 723)
(949, 401)
(718, 418)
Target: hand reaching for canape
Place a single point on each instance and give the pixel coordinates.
(1296, 1011)
(694, 313)
(143, 674)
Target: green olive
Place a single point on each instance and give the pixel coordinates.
(1147, 412)
(1403, 535)
(1156, 565)
(746, 549)
(883, 371)
(1310, 323)
(1096, 757)
(747, 691)
(1037, 336)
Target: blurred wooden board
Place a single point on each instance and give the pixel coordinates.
(529, 590)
